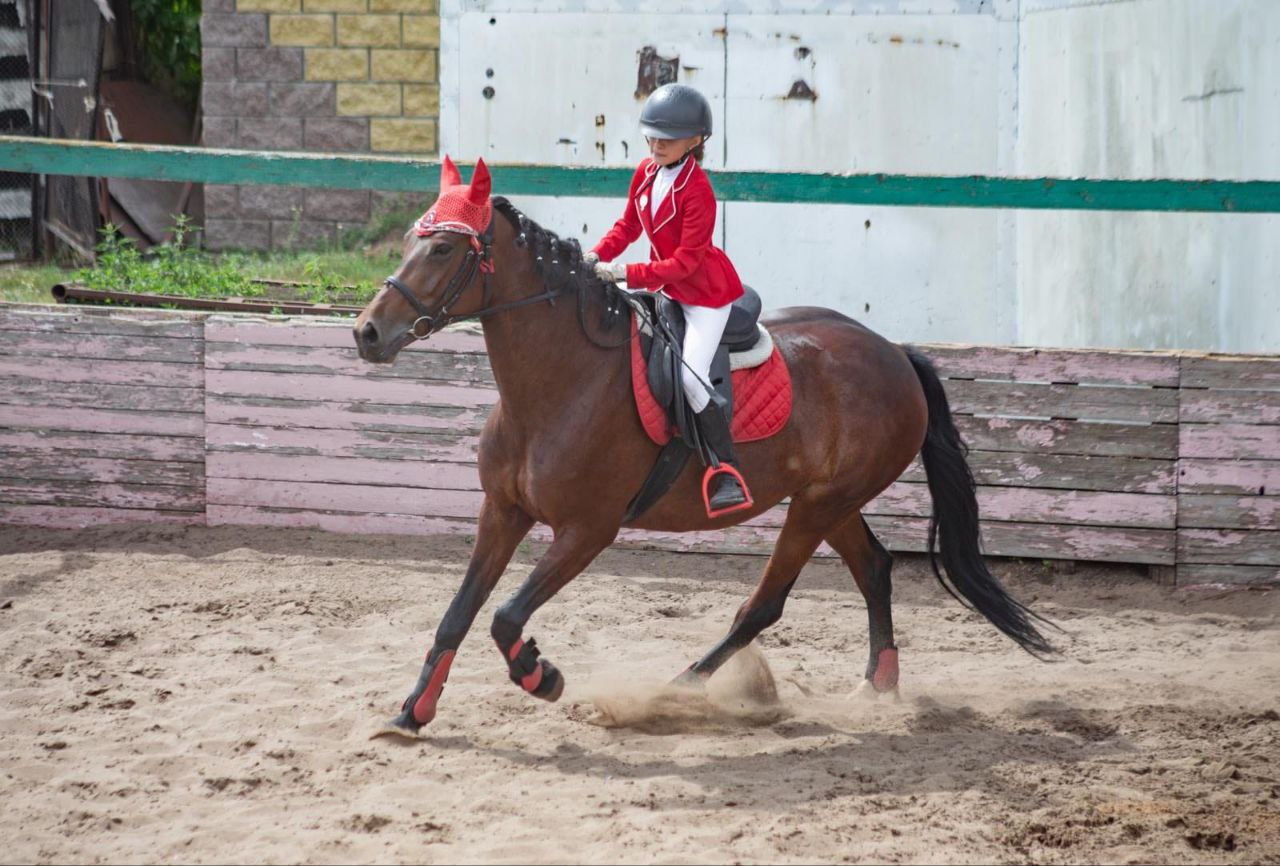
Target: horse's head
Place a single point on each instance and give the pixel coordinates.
(445, 252)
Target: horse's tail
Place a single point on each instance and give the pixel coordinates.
(955, 519)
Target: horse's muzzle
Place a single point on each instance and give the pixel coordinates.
(372, 344)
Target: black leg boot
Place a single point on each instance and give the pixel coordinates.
(723, 486)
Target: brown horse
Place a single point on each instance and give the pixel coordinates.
(564, 446)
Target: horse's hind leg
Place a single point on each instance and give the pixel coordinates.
(570, 552)
(870, 564)
(796, 544)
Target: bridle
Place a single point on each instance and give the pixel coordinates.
(479, 257)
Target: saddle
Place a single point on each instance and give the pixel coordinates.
(746, 353)
(662, 327)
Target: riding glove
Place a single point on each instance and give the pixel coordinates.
(591, 259)
(613, 272)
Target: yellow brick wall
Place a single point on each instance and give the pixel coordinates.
(382, 56)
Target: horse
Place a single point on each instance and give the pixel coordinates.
(563, 446)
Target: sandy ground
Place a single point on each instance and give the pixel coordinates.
(197, 695)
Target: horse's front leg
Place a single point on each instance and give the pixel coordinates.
(570, 552)
(501, 529)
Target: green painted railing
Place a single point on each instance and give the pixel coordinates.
(342, 171)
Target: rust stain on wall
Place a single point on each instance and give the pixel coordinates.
(654, 71)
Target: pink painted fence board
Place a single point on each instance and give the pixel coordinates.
(1129, 456)
(325, 360)
(70, 444)
(1056, 365)
(1229, 469)
(384, 445)
(332, 415)
(101, 417)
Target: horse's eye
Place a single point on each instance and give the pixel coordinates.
(442, 250)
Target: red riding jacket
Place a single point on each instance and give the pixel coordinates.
(682, 259)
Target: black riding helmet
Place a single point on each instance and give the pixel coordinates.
(675, 111)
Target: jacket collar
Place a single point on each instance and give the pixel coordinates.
(668, 206)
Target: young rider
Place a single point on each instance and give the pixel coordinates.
(672, 202)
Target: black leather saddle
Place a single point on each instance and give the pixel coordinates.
(661, 348)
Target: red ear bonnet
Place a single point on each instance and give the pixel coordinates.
(463, 208)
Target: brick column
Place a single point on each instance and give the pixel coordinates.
(315, 75)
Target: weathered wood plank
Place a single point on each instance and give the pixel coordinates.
(41, 465)
(463, 368)
(1069, 437)
(372, 444)
(305, 331)
(102, 495)
(1095, 366)
(300, 386)
(1229, 547)
(68, 517)
(101, 420)
(1250, 372)
(1075, 507)
(1229, 512)
(120, 446)
(343, 415)
(1192, 574)
(1230, 441)
(1230, 407)
(159, 375)
(343, 470)
(51, 392)
(355, 523)
(1042, 540)
(345, 497)
(55, 346)
(1031, 400)
(80, 322)
(1252, 477)
(1065, 472)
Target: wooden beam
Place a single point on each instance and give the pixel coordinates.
(349, 171)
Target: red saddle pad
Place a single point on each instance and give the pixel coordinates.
(761, 397)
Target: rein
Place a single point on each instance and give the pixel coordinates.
(481, 255)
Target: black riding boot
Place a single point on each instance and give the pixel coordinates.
(726, 490)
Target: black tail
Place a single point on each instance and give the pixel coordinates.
(955, 518)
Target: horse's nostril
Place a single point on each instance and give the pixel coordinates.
(369, 334)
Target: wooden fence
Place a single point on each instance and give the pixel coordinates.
(1166, 459)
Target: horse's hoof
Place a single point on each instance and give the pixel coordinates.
(552, 685)
(403, 725)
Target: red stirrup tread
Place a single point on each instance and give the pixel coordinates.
(761, 398)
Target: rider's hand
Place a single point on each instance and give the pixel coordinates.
(613, 272)
(591, 259)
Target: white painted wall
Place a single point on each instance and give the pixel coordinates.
(1100, 88)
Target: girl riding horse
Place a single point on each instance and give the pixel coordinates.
(671, 201)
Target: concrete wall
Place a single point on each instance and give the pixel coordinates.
(1142, 89)
(1125, 88)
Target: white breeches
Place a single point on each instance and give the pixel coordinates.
(704, 326)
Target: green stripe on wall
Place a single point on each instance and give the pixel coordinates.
(347, 171)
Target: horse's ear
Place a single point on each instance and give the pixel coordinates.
(448, 174)
(480, 183)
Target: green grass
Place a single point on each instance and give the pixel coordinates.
(350, 272)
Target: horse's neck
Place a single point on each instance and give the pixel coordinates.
(541, 359)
